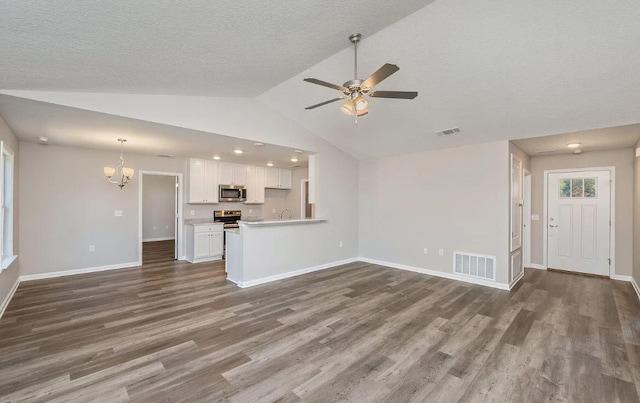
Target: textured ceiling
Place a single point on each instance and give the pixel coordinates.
(197, 47)
(67, 126)
(498, 69)
(591, 140)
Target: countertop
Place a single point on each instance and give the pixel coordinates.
(201, 221)
(297, 221)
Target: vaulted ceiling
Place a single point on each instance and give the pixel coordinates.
(497, 69)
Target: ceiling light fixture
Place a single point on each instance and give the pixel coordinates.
(237, 151)
(269, 164)
(43, 139)
(294, 159)
(356, 89)
(577, 152)
(123, 174)
(574, 145)
(216, 157)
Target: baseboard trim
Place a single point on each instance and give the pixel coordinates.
(269, 279)
(40, 276)
(621, 278)
(7, 299)
(169, 238)
(450, 276)
(536, 266)
(635, 287)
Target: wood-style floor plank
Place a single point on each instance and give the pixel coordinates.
(173, 331)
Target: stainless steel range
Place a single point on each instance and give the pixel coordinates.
(230, 219)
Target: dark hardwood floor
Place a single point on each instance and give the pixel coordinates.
(158, 251)
(174, 331)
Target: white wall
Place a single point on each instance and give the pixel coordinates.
(9, 276)
(158, 207)
(526, 165)
(455, 199)
(622, 160)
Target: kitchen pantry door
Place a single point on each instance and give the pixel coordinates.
(579, 211)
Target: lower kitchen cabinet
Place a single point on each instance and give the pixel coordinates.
(205, 242)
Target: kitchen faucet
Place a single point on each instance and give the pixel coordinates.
(290, 213)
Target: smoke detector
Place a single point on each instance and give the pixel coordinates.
(448, 132)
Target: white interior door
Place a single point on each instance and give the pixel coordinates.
(579, 211)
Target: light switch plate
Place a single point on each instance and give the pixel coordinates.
(535, 217)
(441, 252)
(117, 213)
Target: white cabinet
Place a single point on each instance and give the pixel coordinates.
(233, 174)
(276, 178)
(203, 181)
(205, 242)
(255, 185)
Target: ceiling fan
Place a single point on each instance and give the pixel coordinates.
(356, 89)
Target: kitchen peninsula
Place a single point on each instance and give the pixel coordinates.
(262, 251)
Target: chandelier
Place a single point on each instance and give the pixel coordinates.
(122, 175)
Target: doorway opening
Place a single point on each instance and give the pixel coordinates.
(160, 223)
(307, 209)
(579, 212)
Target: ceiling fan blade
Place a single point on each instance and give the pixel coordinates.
(323, 103)
(382, 73)
(394, 94)
(325, 84)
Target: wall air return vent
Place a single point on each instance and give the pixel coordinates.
(471, 265)
(448, 132)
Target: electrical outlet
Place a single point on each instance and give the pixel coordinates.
(250, 211)
(425, 251)
(441, 252)
(154, 228)
(92, 248)
(192, 212)
(117, 213)
(340, 244)
(273, 211)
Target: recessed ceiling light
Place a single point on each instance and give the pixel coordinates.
(237, 151)
(269, 164)
(258, 144)
(43, 139)
(574, 145)
(216, 157)
(294, 159)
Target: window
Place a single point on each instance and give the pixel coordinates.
(6, 215)
(578, 188)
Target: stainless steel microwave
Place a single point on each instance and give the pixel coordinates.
(230, 193)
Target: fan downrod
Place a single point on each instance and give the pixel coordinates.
(355, 38)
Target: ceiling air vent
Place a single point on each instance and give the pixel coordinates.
(448, 132)
(165, 156)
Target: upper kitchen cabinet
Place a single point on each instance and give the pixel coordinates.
(276, 178)
(203, 181)
(233, 174)
(255, 185)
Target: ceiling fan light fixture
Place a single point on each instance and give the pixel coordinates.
(348, 108)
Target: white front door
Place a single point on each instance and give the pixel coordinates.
(578, 226)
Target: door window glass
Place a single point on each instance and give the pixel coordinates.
(578, 188)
